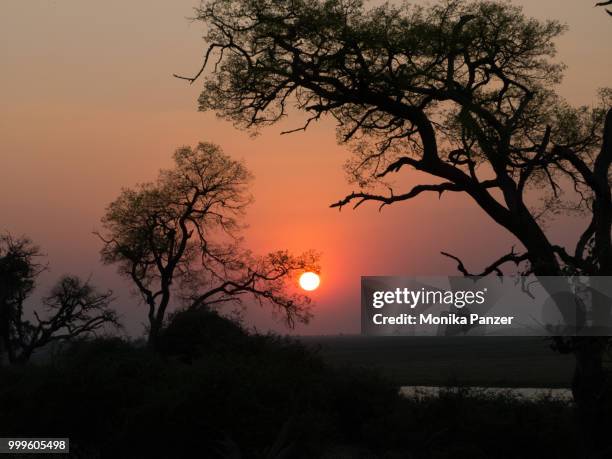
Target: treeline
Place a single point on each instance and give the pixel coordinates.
(176, 240)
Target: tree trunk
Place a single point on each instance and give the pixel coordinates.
(153, 338)
(155, 328)
(591, 393)
(590, 389)
(590, 386)
(156, 319)
(4, 330)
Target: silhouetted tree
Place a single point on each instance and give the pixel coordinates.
(183, 230)
(74, 308)
(462, 91)
(18, 272)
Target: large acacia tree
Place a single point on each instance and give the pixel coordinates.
(179, 237)
(463, 91)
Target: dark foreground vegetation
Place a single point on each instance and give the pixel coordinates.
(214, 391)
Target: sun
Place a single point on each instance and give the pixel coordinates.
(309, 281)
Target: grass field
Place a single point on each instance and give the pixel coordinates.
(434, 361)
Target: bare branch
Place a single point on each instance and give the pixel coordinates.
(511, 257)
(415, 191)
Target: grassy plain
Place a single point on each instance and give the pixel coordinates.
(435, 361)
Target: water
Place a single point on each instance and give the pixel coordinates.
(527, 393)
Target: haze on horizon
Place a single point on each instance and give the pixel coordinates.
(89, 106)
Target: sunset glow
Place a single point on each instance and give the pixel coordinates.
(309, 281)
(69, 150)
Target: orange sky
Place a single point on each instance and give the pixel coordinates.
(88, 105)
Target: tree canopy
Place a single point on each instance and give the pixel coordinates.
(180, 236)
(462, 90)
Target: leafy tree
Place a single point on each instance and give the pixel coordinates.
(74, 308)
(463, 91)
(180, 235)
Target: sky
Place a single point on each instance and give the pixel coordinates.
(88, 105)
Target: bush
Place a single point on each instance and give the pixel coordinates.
(192, 333)
(119, 400)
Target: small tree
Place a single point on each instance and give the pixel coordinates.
(180, 234)
(74, 308)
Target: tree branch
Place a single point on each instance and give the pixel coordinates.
(511, 257)
(417, 190)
